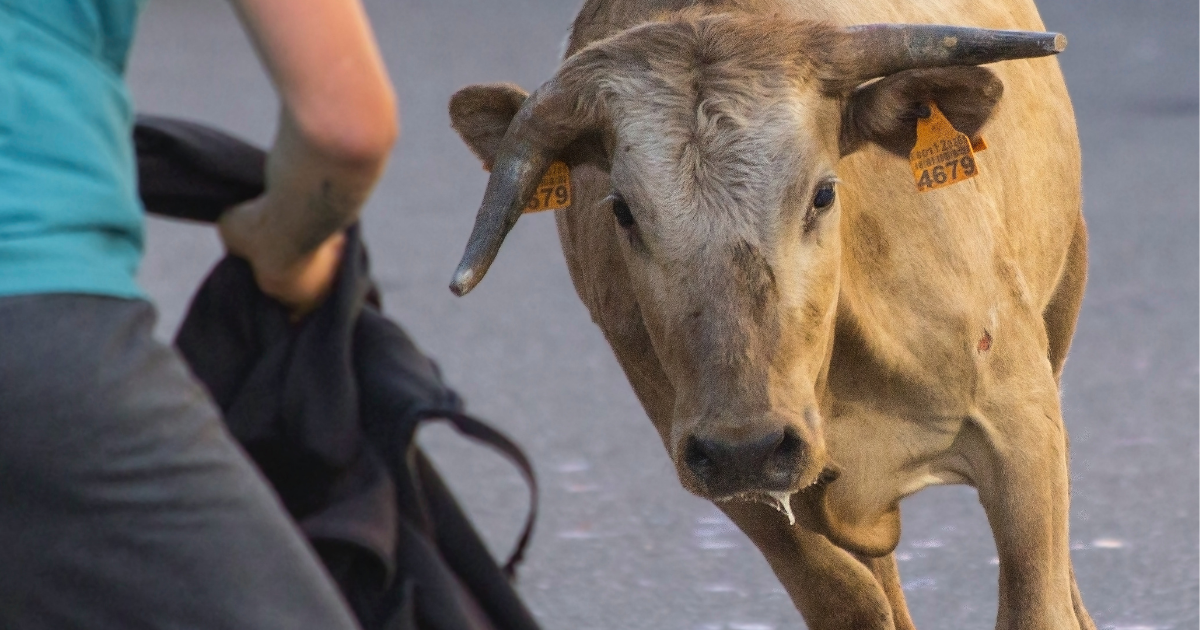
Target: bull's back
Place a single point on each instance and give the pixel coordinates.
(927, 274)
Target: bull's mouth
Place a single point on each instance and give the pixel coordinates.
(782, 501)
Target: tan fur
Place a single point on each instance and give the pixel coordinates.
(733, 305)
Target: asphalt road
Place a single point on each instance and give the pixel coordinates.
(620, 544)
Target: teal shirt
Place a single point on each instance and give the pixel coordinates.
(70, 218)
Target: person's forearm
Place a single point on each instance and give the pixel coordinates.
(337, 122)
(337, 125)
(311, 192)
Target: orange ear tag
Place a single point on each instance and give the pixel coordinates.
(942, 155)
(554, 191)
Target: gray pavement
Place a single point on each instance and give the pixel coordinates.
(620, 544)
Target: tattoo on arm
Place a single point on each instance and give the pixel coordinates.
(329, 210)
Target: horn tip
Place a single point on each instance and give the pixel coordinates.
(464, 280)
(1060, 43)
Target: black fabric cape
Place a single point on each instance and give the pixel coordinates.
(328, 408)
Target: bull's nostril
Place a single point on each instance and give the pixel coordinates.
(765, 462)
(789, 448)
(698, 458)
(788, 458)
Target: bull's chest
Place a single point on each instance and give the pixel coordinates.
(932, 369)
(896, 414)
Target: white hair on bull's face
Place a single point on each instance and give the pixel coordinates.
(709, 153)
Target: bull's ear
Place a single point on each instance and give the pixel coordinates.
(885, 112)
(481, 114)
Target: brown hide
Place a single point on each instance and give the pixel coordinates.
(954, 312)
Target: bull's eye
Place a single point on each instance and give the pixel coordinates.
(621, 211)
(824, 197)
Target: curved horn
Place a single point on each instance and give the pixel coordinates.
(544, 126)
(881, 49)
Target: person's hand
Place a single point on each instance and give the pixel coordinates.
(298, 280)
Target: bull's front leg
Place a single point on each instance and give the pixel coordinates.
(832, 588)
(887, 574)
(1017, 449)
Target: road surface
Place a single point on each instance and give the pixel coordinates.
(620, 545)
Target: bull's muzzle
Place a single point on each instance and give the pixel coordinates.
(766, 461)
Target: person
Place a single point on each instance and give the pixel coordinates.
(124, 502)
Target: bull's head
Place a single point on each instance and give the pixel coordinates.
(722, 135)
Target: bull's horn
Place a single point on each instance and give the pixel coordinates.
(542, 128)
(882, 49)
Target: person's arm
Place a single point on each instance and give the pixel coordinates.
(336, 128)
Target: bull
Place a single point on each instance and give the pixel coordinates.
(808, 332)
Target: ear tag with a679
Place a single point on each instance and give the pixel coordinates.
(943, 155)
(554, 191)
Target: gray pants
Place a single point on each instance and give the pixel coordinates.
(124, 502)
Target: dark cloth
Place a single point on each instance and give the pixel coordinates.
(190, 171)
(124, 501)
(329, 409)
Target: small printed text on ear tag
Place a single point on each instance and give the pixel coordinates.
(554, 191)
(942, 155)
